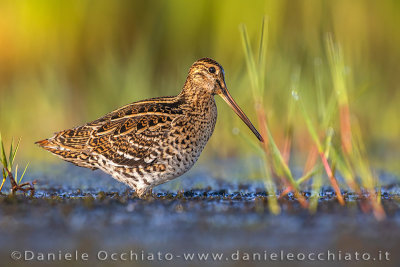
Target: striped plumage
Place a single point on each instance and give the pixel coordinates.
(147, 143)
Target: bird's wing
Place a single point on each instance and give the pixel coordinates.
(128, 136)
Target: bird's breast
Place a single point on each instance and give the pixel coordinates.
(188, 138)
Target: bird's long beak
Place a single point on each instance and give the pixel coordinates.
(229, 100)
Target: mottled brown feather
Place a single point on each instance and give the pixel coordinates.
(137, 123)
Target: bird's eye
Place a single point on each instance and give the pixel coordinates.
(211, 70)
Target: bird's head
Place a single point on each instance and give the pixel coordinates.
(207, 77)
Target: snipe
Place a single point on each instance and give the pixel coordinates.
(150, 142)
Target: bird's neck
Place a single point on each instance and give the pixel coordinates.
(195, 95)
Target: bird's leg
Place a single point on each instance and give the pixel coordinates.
(149, 194)
(145, 194)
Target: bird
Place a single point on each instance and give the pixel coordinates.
(150, 142)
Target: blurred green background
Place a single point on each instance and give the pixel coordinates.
(64, 63)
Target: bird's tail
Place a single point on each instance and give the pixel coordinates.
(75, 156)
(45, 143)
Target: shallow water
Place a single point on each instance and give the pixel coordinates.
(77, 210)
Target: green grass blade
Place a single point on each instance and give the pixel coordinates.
(316, 187)
(11, 154)
(23, 173)
(3, 154)
(14, 153)
(262, 56)
(328, 141)
(317, 168)
(277, 154)
(337, 67)
(16, 173)
(251, 65)
(251, 142)
(320, 90)
(263, 43)
(310, 126)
